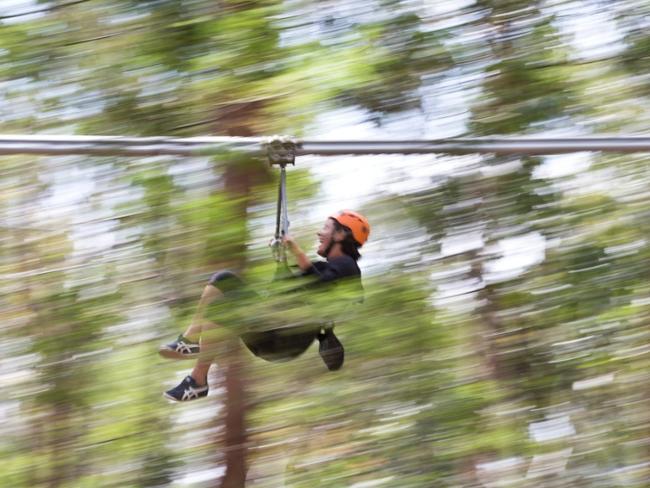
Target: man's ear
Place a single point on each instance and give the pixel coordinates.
(339, 235)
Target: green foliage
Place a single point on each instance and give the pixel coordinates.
(404, 53)
(450, 360)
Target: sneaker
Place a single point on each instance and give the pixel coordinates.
(330, 349)
(187, 390)
(181, 348)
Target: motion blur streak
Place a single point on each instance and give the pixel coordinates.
(503, 340)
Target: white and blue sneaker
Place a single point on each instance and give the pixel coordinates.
(187, 390)
(181, 348)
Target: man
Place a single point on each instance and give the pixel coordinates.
(340, 239)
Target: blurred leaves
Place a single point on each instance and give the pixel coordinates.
(506, 298)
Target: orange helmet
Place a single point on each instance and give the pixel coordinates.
(356, 222)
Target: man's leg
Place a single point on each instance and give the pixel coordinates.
(211, 339)
(186, 346)
(209, 295)
(195, 385)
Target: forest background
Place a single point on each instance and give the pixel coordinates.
(504, 338)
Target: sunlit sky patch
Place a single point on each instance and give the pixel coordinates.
(18, 7)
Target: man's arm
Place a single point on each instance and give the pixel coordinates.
(304, 263)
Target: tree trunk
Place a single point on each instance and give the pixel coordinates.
(239, 179)
(235, 419)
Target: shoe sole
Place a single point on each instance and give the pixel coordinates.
(171, 354)
(169, 397)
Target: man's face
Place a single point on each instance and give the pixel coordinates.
(325, 237)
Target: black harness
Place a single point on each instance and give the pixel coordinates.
(284, 343)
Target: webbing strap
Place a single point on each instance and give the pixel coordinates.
(281, 150)
(285, 208)
(282, 219)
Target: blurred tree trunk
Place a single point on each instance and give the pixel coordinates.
(239, 177)
(235, 437)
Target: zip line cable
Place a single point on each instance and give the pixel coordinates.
(211, 146)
